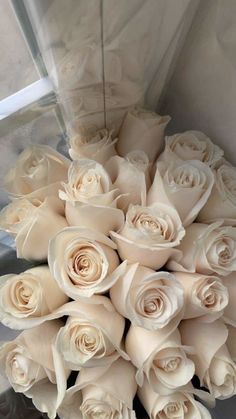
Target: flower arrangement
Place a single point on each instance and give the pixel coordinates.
(134, 244)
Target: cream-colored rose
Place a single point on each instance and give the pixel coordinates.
(33, 221)
(159, 358)
(222, 201)
(104, 392)
(213, 363)
(148, 299)
(83, 262)
(207, 249)
(149, 235)
(92, 336)
(229, 282)
(231, 342)
(96, 145)
(91, 200)
(142, 130)
(26, 298)
(179, 405)
(34, 367)
(191, 145)
(188, 182)
(36, 167)
(205, 296)
(131, 176)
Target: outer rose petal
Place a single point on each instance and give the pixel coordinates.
(142, 130)
(148, 256)
(97, 217)
(229, 315)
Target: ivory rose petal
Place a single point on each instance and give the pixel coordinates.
(182, 404)
(91, 200)
(36, 167)
(149, 299)
(160, 359)
(222, 201)
(229, 315)
(205, 296)
(191, 145)
(130, 174)
(92, 335)
(149, 235)
(96, 145)
(207, 249)
(29, 296)
(108, 392)
(36, 370)
(83, 262)
(33, 221)
(214, 365)
(190, 182)
(142, 130)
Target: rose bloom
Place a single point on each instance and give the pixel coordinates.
(142, 130)
(83, 262)
(222, 201)
(179, 405)
(207, 249)
(190, 182)
(205, 296)
(160, 359)
(229, 315)
(130, 174)
(33, 221)
(96, 145)
(91, 200)
(29, 296)
(101, 392)
(36, 369)
(92, 336)
(213, 363)
(37, 166)
(147, 298)
(149, 235)
(191, 145)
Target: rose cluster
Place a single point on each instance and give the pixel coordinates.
(134, 283)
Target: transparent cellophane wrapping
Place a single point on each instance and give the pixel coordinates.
(105, 56)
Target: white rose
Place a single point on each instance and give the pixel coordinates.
(179, 405)
(131, 176)
(190, 182)
(191, 145)
(99, 146)
(142, 130)
(231, 341)
(214, 366)
(207, 249)
(29, 296)
(91, 201)
(229, 311)
(222, 201)
(205, 296)
(149, 235)
(104, 392)
(160, 359)
(92, 336)
(33, 221)
(33, 367)
(148, 299)
(83, 262)
(36, 167)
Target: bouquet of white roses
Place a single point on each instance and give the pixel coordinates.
(135, 288)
